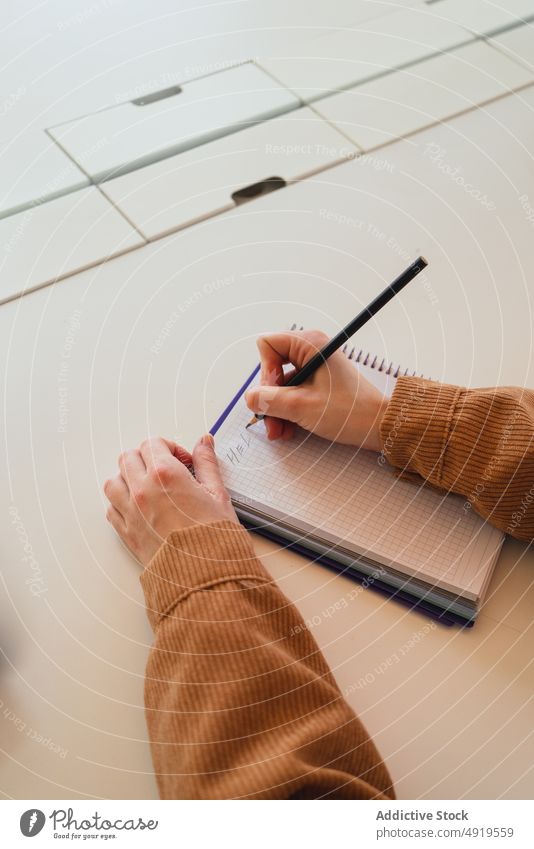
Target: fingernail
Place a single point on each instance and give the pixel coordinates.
(208, 439)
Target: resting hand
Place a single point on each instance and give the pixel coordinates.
(155, 493)
(336, 403)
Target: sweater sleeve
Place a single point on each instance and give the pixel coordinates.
(475, 442)
(240, 702)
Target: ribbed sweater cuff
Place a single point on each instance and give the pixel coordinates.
(196, 558)
(416, 425)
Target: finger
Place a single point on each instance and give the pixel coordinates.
(272, 374)
(183, 455)
(153, 450)
(273, 358)
(132, 467)
(276, 350)
(156, 452)
(277, 428)
(117, 492)
(163, 465)
(288, 430)
(178, 451)
(207, 471)
(116, 520)
(296, 347)
(273, 427)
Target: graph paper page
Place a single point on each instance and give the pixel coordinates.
(346, 495)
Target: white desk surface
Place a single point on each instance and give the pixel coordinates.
(61, 60)
(153, 342)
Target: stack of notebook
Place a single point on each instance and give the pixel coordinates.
(347, 508)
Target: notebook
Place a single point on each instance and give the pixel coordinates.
(346, 508)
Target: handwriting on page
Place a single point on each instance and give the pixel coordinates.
(237, 451)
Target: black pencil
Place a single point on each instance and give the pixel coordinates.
(344, 335)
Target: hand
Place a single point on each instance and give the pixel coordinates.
(155, 493)
(336, 403)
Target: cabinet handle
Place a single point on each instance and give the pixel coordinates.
(264, 187)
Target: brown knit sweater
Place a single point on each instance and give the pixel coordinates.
(240, 702)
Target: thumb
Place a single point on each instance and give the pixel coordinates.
(206, 465)
(282, 402)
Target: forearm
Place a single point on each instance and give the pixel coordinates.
(240, 701)
(476, 442)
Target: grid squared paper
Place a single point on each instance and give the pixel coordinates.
(343, 495)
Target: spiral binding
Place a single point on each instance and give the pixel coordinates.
(367, 359)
